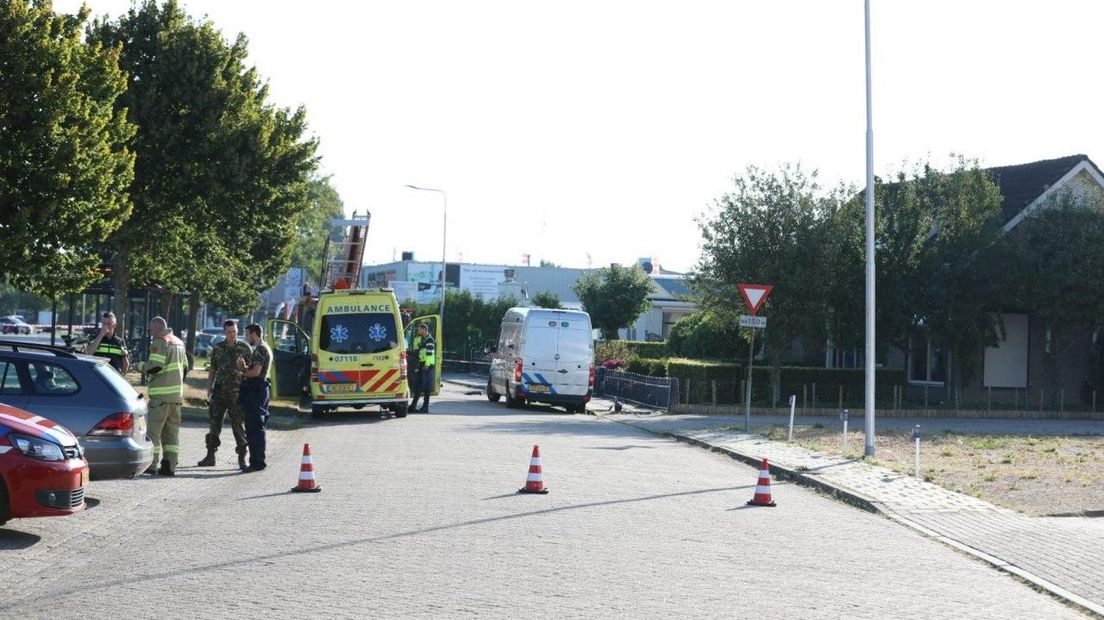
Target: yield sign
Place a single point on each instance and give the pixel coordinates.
(754, 295)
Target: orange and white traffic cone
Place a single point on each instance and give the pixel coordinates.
(762, 490)
(534, 483)
(306, 474)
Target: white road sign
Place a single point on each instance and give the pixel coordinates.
(755, 322)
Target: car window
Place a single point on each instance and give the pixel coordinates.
(288, 338)
(51, 379)
(119, 384)
(358, 333)
(9, 379)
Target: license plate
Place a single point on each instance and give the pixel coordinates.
(140, 428)
(84, 476)
(542, 389)
(341, 388)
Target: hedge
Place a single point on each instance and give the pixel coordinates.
(645, 366)
(626, 349)
(701, 374)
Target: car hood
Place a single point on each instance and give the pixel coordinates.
(14, 420)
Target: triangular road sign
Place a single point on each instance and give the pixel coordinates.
(754, 295)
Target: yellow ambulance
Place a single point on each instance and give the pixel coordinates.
(355, 355)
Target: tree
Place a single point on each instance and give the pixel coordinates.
(1055, 272)
(708, 334)
(547, 300)
(614, 297)
(773, 229)
(313, 225)
(471, 323)
(548, 263)
(221, 175)
(64, 161)
(935, 234)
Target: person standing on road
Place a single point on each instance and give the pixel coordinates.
(165, 367)
(254, 395)
(223, 385)
(110, 345)
(424, 376)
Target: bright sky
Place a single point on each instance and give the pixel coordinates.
(604, 128)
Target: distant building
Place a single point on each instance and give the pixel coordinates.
(420, 282)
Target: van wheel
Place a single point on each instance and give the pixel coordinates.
(318, 412)
(492, 395)
(400, 409)
(514, 403)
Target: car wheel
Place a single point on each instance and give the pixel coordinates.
(401, 409)
(318, 412)
(514, 403)
(492, 395)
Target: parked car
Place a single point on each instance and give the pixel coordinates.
(203, 345)
(85, 395)
(14, 325)
(42, 469)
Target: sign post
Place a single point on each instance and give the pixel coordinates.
(754, 295)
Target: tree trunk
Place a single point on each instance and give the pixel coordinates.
(193, 322)
(166, 306)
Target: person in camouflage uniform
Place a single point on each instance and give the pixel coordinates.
(223, 384)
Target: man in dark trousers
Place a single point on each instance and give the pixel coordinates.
(424, 358)
(253, 395)
(110, 345)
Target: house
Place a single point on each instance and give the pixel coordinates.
(1015, 369)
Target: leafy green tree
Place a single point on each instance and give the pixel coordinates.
(471, 323)
(64, 161)
(614, 297)
(546, 300)
(313, 225)
(708, 334)
(772, 229)
(1055, 272)
(221, 175)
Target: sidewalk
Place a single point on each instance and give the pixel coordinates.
(1061, 555)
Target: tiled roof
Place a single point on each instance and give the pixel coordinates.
(1023, 183)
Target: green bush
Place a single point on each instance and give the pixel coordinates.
(646, 366)
(626, 349)
(707, 335)
(701, 374)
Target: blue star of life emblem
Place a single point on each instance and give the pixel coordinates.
(377, 332)
(339, 333)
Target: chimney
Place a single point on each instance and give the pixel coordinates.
(407, 256)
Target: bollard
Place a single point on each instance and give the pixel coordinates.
(843, 416)
(793, 402)
(916, 438)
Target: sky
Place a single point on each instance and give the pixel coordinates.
(586, 133)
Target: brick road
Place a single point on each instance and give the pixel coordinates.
(418, 517)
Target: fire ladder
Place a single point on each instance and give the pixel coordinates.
(344, 252)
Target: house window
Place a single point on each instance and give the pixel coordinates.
(927, 362)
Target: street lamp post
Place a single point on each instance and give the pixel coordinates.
(444, 238)
(869, 412)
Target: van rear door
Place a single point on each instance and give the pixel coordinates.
(538, 355)
(575, 354)
(358, 355)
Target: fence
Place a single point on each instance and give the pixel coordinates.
(648, 391)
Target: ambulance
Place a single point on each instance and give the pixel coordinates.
(355, 354)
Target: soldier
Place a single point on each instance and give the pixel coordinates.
(254, 394)
(424, 376)
(166, 367)
(223, 381)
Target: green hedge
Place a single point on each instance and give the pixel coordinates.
(645, 366)
(701, 374)
(626, 349)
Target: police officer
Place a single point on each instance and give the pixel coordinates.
(108, 344)
(253, 396)
(223, 383)
(425, 350)
(165, 367)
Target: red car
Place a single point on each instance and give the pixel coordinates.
(42, 468)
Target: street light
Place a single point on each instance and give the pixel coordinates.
(868, 448)
(444, 228)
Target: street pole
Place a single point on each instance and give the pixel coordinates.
(747, 390)
(444, 243)
(869, 412)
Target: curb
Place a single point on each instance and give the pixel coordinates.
(860, 501)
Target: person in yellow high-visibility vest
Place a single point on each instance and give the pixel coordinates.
(166, 368)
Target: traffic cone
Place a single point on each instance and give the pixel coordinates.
(762, 490)
(306, 474)
(534, 483)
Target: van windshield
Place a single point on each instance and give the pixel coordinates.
(372, 332)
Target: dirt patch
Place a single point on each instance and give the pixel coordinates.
(1044, 475)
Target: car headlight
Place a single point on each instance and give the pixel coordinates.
(37, 448)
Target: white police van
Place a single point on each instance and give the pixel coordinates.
(543, 356)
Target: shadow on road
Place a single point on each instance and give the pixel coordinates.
(132, 580)
(12, 540)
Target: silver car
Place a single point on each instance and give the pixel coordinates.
(85, 395)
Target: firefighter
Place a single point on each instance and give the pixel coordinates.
(425, 351)
(166, 367)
